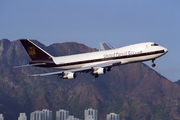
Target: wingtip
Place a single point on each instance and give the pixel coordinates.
(35, 75)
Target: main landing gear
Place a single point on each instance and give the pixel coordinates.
(109, 69)
(153, 65)
(96, 76)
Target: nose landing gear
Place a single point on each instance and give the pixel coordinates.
(153, 65)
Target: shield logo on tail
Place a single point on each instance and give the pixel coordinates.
(31, 51)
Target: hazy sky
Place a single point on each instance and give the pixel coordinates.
(119, 22)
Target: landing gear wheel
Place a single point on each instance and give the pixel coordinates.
(109, 69)
(153, 65)
(96, 76)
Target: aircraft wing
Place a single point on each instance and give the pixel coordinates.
(108, 64)
(83, 69)
(64, 71)
(105, 46)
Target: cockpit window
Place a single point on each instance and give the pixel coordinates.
(154, 44)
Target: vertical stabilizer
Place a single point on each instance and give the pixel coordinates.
(105, 46)
(34, 51)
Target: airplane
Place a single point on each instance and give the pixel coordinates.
(96, 63)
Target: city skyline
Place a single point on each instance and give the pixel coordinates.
(45, 114)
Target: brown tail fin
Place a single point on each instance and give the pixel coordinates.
(34, 51)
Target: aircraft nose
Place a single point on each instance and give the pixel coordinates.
(165, 50)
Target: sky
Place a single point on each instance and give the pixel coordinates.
(118, 22)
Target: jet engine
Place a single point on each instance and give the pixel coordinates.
(99, 71)
(69, 75)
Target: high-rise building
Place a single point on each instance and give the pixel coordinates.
(1, 117)
(90, 114)
(37, 115)
(113, 116)
(22, 116)
(47, 114)
(89, 117)
(41, 115)
(77, 119)
(72, 118)
(62, 114)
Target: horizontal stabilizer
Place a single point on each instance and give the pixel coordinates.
(29, 65)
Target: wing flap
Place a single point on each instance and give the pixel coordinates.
(51, 73)
(85, 69)
(108, 64)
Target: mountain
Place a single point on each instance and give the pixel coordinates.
(135, 91)
(177, 82)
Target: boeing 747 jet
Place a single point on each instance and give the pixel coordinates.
(95, 63)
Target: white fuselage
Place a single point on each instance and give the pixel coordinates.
(128, 54)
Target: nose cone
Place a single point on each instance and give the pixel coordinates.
(165, 50)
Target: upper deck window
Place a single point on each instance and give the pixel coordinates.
(154, 44)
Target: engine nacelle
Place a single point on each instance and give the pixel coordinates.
(69, 76)
(99, 71)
